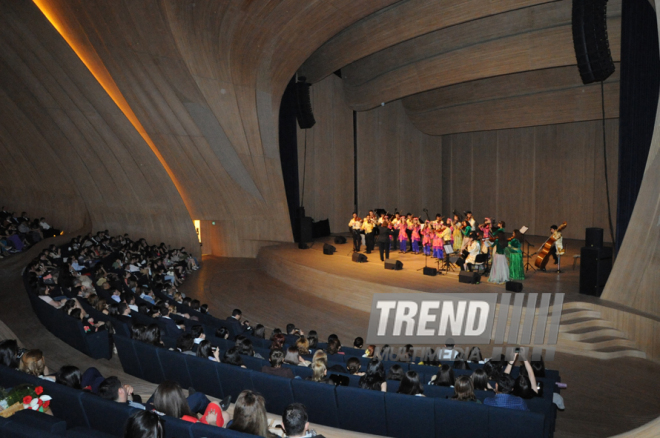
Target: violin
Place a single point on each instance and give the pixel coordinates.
(543, 256)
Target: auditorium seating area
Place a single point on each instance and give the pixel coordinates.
(17, 233)
(346, 407)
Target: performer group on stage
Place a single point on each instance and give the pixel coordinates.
(443, 236)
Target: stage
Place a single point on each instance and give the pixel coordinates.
(337, 278)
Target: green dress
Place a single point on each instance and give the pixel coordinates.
(516, 266)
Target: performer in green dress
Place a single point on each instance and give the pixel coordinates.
(514, 254)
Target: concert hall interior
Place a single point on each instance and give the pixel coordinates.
(279, 142)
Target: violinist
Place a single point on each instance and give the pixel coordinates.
(368, 226)
(355, 226)
(558, 246)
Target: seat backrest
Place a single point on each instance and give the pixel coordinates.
(362, 410)
(46, 423)
(201, 430)
(253, 363)
(512, 423)
(174, 427)
(319, 399)
(175, 367)
(234, 379)
(451, 416)
(276, 390)
(105, 415)
(409, 416)
(205, 375)
(152, 370)
(303, 372)
(66, 404)
(127, 356)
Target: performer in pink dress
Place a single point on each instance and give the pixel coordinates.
(416, 235)
(426, 238)
(403, 236)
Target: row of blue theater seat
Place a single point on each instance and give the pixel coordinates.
(78, 414)
(344, 407)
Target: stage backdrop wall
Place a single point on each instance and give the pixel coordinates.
(533, 176)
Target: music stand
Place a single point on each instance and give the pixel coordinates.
(449, 249)
(528, 265)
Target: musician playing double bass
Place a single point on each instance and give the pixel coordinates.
(558, 246)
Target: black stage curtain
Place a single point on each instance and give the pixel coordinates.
(289, 155)
(640, 81)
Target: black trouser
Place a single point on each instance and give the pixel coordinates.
(384, 248)
(409, 233)
(357, 240)
(370, 241)
(553, 253)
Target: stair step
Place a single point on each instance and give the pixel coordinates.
(590, 333)
(583, 323)
(579, 315)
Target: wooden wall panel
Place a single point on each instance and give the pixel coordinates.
(201, 82)
(532, 176)
(74, 157)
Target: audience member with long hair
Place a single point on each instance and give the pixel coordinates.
(170, 400)
(250, 415)
(463, 390)
(411, 384)
(374, 377)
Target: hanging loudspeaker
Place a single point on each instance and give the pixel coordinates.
(304, 112)
(592, 47)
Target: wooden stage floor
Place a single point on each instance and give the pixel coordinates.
(604, 397)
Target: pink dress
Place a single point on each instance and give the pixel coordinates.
(402, 231)
(415, 233)
(426, 240)
(437, 240)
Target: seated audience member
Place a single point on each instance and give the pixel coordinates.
(244, 345)
(358, 343)
(370, 351)
(259, 331)
(395, 372)
(208, 351)
(475, 356)
(250, 415)
(460, 364)
(292, 357)
(320, 355)
(503, 397)
(197, 332)
(334, 346)
(222, 333)
(276, 360)
(374, 377)
(302, 344)
(295, 422)
(464, 391)
(112, 389)
(172, 329)
(411, 385)
(353, 366)
(44, 294)
(152, 335)
(313, 339)
(239, 325)
(444, 377)
(69, 376)
(185, 344)
(233, 357)
(144, 424)
(9, 353)
(33, 362)
(480, 380)
(526, 386)
(277, 341)
(169, 400)
(319, 373)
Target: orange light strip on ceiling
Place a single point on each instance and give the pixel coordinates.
(83, 48)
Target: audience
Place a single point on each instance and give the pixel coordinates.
(463, 390)
(276, 360)
(144, 424)
(503, 395)
(169, 400)
(444, 377)
(411, 385)
(374, 377)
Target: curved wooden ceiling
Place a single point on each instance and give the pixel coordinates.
(454, 49)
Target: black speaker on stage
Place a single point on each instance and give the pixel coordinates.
(594, 238)
(304, 112)
(340, 240)
(514, 286)
(303, 246)
(394, 265)
(592, 47)
(595, 268)
(328, 249)
(430, 271)
(469, 277)
(359, 258)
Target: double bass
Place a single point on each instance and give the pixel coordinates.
(544, 254)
